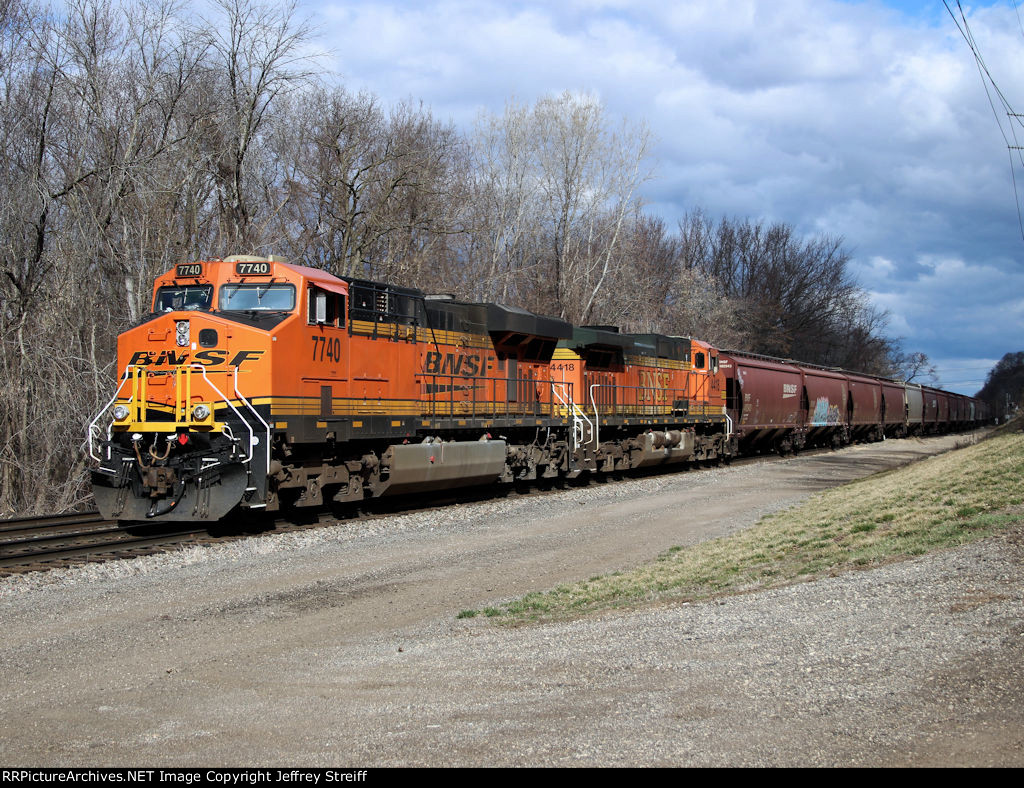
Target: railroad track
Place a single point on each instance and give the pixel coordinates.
(48, 542)
(42, 543)
(39, 543)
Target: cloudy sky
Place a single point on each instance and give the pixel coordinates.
(861, 118)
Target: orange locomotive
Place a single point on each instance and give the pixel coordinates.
(643, 399)
(257, 384)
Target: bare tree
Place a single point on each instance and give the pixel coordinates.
(104, 125)
(256, 57)
(1004, 385)
(556, 188)
(369, 193)
(505, 205)
(41, 351)
(915, 367)
(334, 145)
(655, 292)
(589, 174)
(425, 202)
(128, 76)
(795, 296)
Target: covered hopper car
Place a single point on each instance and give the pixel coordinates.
(782, 405)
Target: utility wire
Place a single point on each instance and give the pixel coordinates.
(1013, 148)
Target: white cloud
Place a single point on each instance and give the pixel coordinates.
(842, 117)
(954, 307)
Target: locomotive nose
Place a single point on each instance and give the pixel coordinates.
(178, 446)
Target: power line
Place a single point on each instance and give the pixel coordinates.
(986, 80)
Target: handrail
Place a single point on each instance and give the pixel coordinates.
(92, 424)
(597, 416)
(451, 396)
(139, 400)
(578, 416)
(252, 433)
(253, 410)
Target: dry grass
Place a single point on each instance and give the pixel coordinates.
(937, 503)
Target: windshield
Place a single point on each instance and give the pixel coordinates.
(262, 297)
(183, 297)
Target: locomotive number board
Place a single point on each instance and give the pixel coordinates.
(189, 269)
(252, 269)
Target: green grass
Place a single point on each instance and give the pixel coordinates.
(940, 502)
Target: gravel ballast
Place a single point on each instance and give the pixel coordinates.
(341, 647)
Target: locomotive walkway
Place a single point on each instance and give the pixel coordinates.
(341, 646)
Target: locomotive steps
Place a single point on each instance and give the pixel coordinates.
(939, 502)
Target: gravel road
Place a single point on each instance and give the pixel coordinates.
(340, 647)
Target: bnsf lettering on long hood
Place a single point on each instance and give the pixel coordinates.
(208, 358)
(434, 363)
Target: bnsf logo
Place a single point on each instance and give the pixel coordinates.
(450, 364)
(208, 358)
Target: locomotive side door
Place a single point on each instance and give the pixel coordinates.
(715, 395)
(327, 344)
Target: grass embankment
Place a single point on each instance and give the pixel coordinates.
(939, 502)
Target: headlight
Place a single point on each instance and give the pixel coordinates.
(181, 327)
(120, 413)
(200, 412)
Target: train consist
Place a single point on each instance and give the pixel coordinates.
(256, 384)
(784, 406)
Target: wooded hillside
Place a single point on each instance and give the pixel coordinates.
(135, 136)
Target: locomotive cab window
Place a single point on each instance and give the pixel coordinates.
(264, 297)
(698, 361)
(179, 298)
(325, 308)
